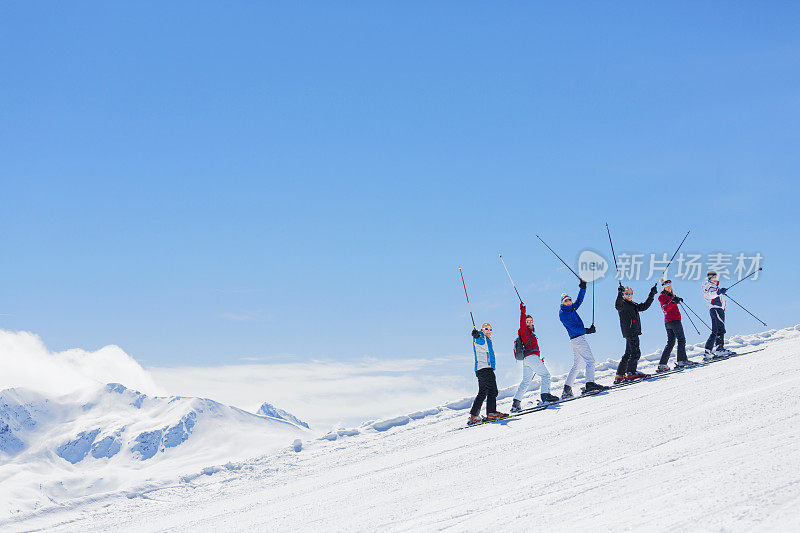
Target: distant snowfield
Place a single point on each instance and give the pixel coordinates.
(715, 448)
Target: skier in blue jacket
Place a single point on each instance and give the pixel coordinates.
(484, 371)
(568, 313)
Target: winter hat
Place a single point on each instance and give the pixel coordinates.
(665, 282)
(564, 296)
(711, 273)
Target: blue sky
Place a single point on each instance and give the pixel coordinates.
(202, 185)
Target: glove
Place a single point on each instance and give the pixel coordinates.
(620, 288)
(654, 289)
(582, 284)
(590, 329)
(522, 305)
(475, 334)
(677, 299)
(722, 291)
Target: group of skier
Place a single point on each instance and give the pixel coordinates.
(526, 346)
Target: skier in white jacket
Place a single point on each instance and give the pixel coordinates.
(715, 297)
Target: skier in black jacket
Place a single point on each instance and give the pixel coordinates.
(631, 329)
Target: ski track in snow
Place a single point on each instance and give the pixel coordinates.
(716, 448)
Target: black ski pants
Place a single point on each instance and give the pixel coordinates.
(631, 358)
(674, 331)
(487, 390)
(717, 336)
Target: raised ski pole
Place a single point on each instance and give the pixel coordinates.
(673, 255)
(695, 314)
(745, 310)
(693, 324)
(559, 258)
(509, 278)
(467, 295)
(616, 268)
(594, 276)
(747, 276)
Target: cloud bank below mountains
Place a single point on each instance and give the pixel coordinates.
(327, 393)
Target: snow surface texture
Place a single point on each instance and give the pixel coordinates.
(716, 448)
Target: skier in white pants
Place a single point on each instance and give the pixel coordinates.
(532, 362)
(568, 313)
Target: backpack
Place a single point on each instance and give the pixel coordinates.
(519, 349)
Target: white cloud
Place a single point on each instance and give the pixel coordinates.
(26, 362)
(327, 393)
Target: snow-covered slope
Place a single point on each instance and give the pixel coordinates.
(115, 438)
(716, 448)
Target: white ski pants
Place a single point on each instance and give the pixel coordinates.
(581, 352)
(533, 365)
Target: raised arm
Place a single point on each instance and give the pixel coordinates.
(524, 334)
(709, 291)
(647, 303)
(664, 300)
(579, 300)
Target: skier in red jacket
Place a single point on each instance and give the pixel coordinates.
(672, 322)
(532, 362)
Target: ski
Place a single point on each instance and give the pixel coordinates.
(545, 405)
(676, 370)
(648, 378)
(726, 357)
(511, 415)
(542, 406)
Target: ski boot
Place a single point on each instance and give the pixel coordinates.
(635, 376)
(591, 386)
(497, 415)
(474, 419)
(548, 398)
(516, 406)
(722, 353)
(619, 378)
(686, 364)
(708, 355)
(567, 392)
(662, 368)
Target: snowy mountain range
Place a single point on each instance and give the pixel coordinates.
(271, 411)
(93, 442)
